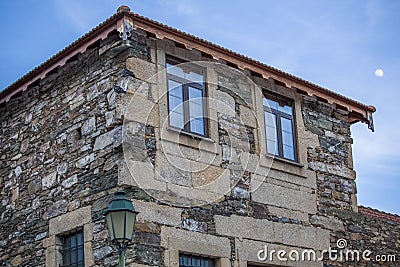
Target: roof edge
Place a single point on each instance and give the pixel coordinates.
(59, 58)
(378, 213)
(362, 112)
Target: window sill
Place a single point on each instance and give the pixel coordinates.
(192, 135)
(285, 161)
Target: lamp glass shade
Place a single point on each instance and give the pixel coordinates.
(120, 218)
(110, 226)
(130, 224)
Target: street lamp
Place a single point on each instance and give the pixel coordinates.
(120, 217)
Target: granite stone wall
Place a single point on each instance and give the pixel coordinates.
(56, 157)
(337, 203)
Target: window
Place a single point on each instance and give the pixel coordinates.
(72, 250)
(279, 127)
(195, 261)
(186, 97)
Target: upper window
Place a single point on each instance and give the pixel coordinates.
(279, 127)
(72, 250)
(195, 261)
(186, 97)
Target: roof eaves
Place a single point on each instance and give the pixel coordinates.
(16, 86)
(253, 61)
(21, 84)
(378, 213)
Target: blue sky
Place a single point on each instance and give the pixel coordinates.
(336, 44)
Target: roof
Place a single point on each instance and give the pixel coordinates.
(378, 214)
(359, 111)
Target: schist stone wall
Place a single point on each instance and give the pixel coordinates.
(62, 159)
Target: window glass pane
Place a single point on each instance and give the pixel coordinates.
(272, 147)
(174, 93)
(285, 109)
(196, 110)
(197, 126)
(72, 250)
(74, 255)
(270, 103)
(73, 241)
(195, 102)
(271, 133)
(270, 119)
(175, 99)
(282, 106)
(194, 77)
(80, 253)
(195, 261)
(286, 125)
(80, 238)
(172, 69)
(288, 152)
(186, 71)
(287, 138)
(176, 116)
(66, 257)
(67, 242)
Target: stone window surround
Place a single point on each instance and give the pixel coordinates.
(178, 241)
(63, 224)
(216, 261)
(279, 115)
(183, 81)
(304, 138)
(169, 134)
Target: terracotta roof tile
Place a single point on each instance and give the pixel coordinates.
(378, 214)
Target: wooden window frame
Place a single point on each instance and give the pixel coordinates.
(185, 95)
(279, 115)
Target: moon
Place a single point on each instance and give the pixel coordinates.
(379, 73)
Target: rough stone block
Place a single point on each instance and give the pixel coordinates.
(332, 169)
(194, 242)
(273, 232)
(248, 117)
(70, 220)
(284, 197)
(113, 137)
(153, 212)
(327, 222)
(146, 113)
(89, 126)
(49, 180)
(287, 213)
(85, 161)
(142, 69)
(69, 182)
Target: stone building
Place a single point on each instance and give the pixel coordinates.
(225, 158)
